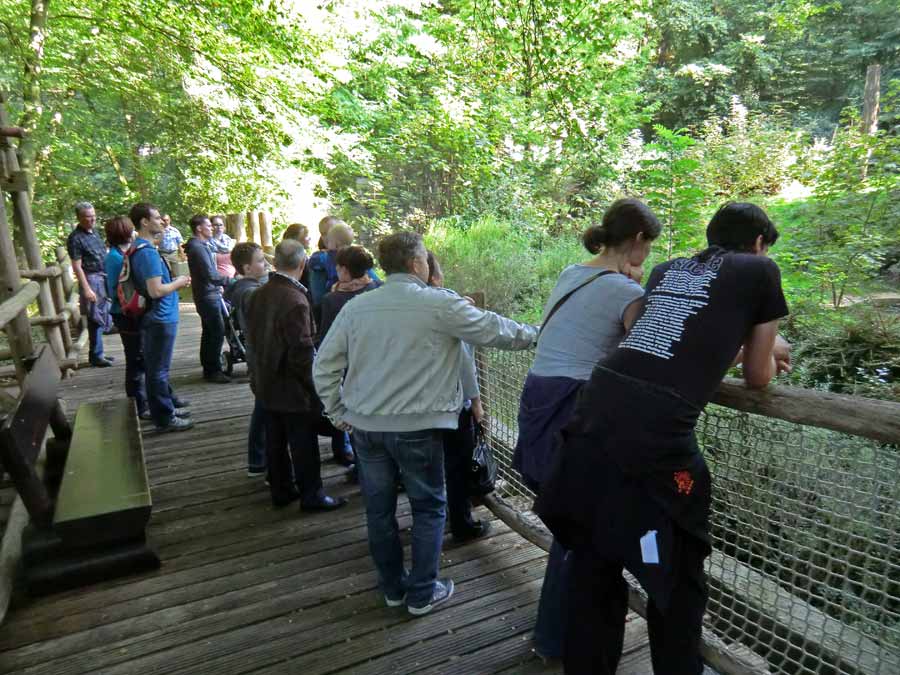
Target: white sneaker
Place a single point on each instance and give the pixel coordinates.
(443, 591)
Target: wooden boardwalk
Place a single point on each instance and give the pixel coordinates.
(246, 588)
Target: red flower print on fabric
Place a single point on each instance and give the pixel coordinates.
(684, 482)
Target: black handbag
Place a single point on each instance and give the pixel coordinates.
(483, 467)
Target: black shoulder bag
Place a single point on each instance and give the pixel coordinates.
(562, 300)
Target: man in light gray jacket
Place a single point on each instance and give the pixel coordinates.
(401, 348)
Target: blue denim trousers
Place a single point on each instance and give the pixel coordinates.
(381, 456)
(159, 343)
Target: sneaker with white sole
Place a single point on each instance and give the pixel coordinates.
(443, 591)
(177, 424)
(394, 603)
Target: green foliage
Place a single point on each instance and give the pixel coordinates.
(669, 180)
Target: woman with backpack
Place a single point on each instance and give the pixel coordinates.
(119, 235)
(587, 314)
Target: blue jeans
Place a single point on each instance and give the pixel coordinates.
(551, 617)
(381, 456)
(159, 343)
(256, 438)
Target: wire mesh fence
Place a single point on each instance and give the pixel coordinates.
(805, 570)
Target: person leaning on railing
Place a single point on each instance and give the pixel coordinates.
(459, 443)
(401, 348)
(586, 316)
(629, 487)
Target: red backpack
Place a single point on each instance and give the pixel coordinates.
(134, 304)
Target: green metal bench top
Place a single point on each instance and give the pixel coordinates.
(105, 485)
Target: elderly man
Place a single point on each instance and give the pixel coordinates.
(171, 242)
(207, 285)
(401, 348)
(281, 332)
(88, 252)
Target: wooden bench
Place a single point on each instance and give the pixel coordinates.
(90, 505)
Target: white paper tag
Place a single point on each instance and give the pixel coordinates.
(649, 551)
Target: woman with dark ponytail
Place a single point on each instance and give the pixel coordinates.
(587, 314)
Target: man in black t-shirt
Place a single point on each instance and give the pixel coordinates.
(630, 488)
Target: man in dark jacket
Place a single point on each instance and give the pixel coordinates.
(207, 286)
(280, 332)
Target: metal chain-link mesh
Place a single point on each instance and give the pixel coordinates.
(806, 529)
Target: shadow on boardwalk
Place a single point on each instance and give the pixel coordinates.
(246, 588)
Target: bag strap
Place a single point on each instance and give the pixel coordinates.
(562, 300)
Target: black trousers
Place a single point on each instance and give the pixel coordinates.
(458, 446)
(132, 343)
(598, 603)
(292, 455)
(212, 321)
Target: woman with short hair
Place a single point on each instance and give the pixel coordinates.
(119, 235)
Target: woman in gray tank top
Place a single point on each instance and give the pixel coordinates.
(586, 316)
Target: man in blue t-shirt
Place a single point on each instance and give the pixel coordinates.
(160, 324)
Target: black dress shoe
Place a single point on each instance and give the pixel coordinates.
(101, 363)
(281, 502)
(477, 529)
(217, 378)
(325, 503)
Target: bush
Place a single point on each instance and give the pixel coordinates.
(515, 269)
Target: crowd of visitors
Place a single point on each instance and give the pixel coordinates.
(386, 370)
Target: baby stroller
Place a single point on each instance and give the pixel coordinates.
(235, 351)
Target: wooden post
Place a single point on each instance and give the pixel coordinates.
(253, 226)
(234, 227)
(22, 217)
(871, 99)
(59, 302)
(265, 230)
(19, 329)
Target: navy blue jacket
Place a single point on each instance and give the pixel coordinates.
(205, 279)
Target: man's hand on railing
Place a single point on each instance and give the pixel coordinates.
(782, 354)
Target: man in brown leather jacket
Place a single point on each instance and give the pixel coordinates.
(281, 332)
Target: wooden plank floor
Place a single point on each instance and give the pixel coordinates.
(245, 588)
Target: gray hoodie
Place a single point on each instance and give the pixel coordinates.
(401, 347)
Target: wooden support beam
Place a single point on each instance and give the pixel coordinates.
(265, 230)
(22, 216)
(56, 320)
(46, 273)
(234, 227)
(12, 132)
(18, 329)
(59, 303)
(17, 181)
(253, 226)
(854, 415)
(18, 303)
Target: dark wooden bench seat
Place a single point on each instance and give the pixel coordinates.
(105, 492)
(90, 505)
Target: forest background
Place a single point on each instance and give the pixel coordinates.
(499, 128)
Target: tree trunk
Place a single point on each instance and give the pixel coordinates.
(253, 226)
(871, 99)
(31, 88)
(234, 227)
